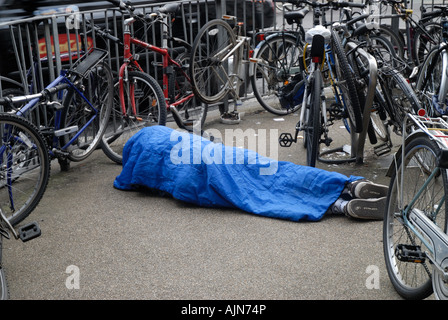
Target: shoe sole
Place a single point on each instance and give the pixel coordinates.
(367, 190)
(367, 209)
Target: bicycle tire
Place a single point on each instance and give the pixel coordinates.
(25, 169)
(397, 40)
(210, 75)
(313, 121)
(422, 45)
(275, 77)
(346, 82)
(4, 292)
(432, 78)
(151, 110)
(410, 279)
(399, 95)
(193, 112)
(76, 112)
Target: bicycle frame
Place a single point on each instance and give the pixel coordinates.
(130, 61)
(431, 236)
(60, 83)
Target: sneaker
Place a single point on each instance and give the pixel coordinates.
(230, 118)
(368, 209)
(365, 189)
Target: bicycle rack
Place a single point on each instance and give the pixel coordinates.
(358, 140)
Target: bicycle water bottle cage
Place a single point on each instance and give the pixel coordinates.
(318, 48)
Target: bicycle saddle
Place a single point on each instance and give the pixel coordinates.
(169, 8)
(296, 16)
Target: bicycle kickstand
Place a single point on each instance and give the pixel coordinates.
(26, 232)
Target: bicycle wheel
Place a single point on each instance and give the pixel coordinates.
(276, 77)
(211, 61)
(313, 119)
(395, 39)
(424, 43)
(193, 112)
(4, 293)
(432, 82)
(400, 97)
(346, 82)
(25, 168)
(78, 112)
(411, 277)
(150, 109)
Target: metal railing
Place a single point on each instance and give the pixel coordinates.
(33, 51)
(36, 49)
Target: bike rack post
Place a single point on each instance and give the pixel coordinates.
(221, 11)
(358, 139)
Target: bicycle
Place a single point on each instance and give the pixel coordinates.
(139, 99)
(216, 63)
(432, 82)
(75, 132)
(34, 80)
(415, 226)
(394, 97)
(276, 69)
(419, 36)
(327, 57)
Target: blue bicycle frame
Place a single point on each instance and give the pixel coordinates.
(58, 125)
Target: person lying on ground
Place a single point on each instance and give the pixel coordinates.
(193, 169)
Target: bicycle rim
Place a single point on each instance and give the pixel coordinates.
(429, 82)
(25, 168)
(277, 75)
(209, 68)
(78, 112)
(193, 112)
(412, 280)
(4, 294)
(150, 110)
(423, 44)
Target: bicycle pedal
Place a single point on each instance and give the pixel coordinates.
(286, 140)
(29, 232)
(382, 149)
(410, 253)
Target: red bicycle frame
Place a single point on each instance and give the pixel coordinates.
(129, 60)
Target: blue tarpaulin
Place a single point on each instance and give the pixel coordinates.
(198, 171)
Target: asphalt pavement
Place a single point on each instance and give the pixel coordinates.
(98, 242)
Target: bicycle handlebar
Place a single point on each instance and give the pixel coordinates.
(104, 33)
(123, 5)
(45, 94)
